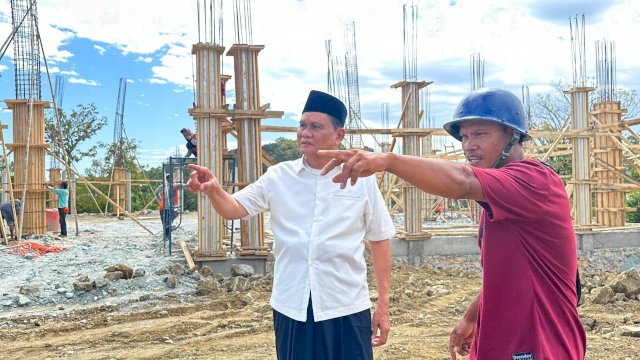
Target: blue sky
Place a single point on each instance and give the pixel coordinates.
(95, 42)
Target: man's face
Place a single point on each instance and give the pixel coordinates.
(186, 134)
(316, 132)
(482, 142)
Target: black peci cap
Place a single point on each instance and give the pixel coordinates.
(326, 104)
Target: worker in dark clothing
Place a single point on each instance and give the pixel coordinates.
(191, 142)
(7, 213)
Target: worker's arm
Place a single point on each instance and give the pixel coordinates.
(463, 333)
(381, 257)
(158, 193)
(203, 180)
(435, 176)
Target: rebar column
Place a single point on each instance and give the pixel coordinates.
(610, 207)
(410, 119)
(34, 221)
(581, 171)
(210, 116)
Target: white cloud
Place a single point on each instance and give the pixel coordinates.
(145, 59)
(157, 81)
(74, 80)
(100, 49)
(518, 47)
(69, 72)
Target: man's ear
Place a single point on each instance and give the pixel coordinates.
(340, 134)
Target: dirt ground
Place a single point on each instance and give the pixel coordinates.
(425, 304)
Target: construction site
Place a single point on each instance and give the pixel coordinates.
(115, 289)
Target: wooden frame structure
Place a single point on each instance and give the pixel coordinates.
(28, 137)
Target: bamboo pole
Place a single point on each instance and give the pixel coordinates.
(87, 183)
(72, 194)
(6, 166)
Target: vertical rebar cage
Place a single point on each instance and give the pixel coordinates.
(24, 16)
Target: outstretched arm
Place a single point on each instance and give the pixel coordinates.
(202, 180)
(381, 257)
(435, 176)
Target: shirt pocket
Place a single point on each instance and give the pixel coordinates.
(348, 194)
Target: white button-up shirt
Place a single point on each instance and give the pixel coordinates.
(318, 231)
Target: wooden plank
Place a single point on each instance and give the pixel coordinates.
(187, 254)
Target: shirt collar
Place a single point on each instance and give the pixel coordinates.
(298, 165)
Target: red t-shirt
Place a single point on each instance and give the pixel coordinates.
(527, 307)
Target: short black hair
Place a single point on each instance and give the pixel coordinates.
(64, 185)
(337, 124)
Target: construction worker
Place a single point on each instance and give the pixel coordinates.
(439, 210)
(526, 308)
(320, 299)
(168, 197)
(6, 211)
(63, 205)
(191, 142)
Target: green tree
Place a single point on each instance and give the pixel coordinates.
(126, 153)
(283, 149)
(76, 128)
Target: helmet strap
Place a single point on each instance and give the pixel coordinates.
(507, 149)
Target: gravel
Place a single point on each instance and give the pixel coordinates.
(32, 284)
(102, 242)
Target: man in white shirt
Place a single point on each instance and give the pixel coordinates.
(320, 298)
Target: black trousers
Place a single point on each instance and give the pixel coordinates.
(344, 338)
(166, 222)
(63, 221)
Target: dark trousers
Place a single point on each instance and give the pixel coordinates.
(344, 338)
(166, 222)
(63, 221)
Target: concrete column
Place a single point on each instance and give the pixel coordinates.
(210, 116)
(245, 58)
(5, 187)
(128, 191)
(610, 206)
(28, 123)
(55, 177)
(412, 196)
(386, 181)
(118, 191)
(581, 173)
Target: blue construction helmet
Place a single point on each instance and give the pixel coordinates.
(495, 105)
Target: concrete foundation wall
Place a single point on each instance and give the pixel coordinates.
(414, 251)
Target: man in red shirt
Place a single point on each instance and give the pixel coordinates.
(526, 308)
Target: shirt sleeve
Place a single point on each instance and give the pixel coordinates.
(254, 197)
(379, 225)
(515, 190)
